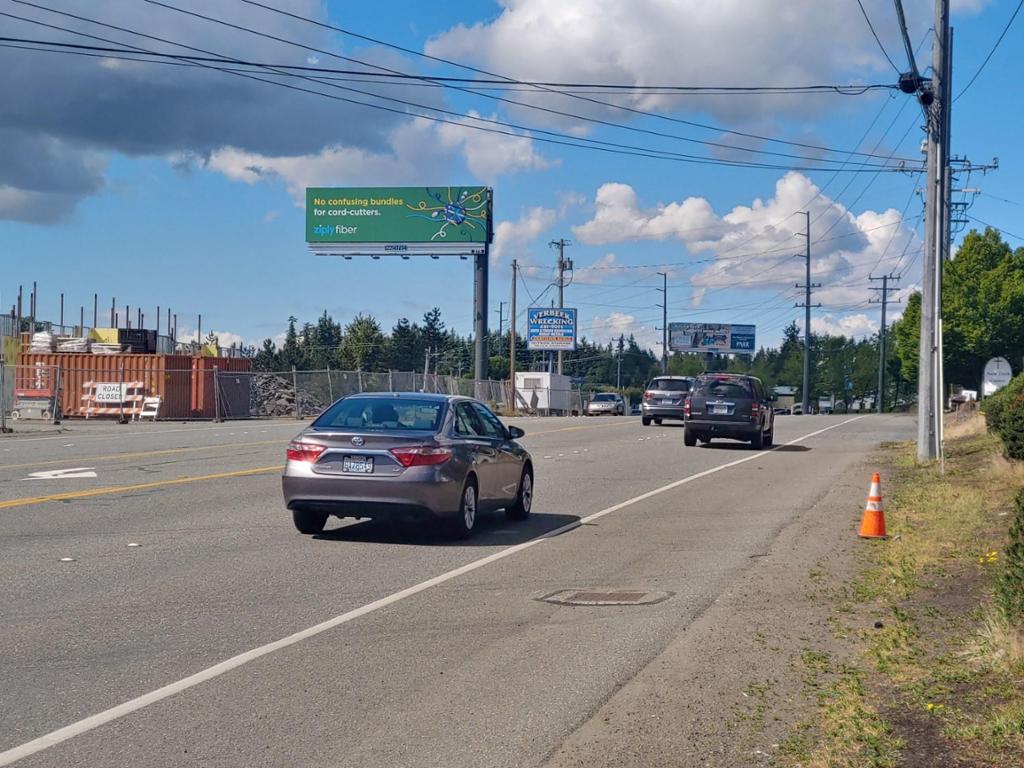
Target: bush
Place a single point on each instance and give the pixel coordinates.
(1004, 414)
(1010, 594)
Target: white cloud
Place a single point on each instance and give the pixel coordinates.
(757, 246)
(617, 218)
(967, 7)
(511, 236)
(490, 155)
(609, 268)
(856, 326)
(606, 329)
(404, 162)
(224, 338)
(655, 42)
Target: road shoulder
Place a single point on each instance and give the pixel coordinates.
(731, 687)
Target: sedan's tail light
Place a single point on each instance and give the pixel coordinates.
(300, 451)
(421, 455)
(648, 395)
(686, 407)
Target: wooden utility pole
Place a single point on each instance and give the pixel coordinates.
(563, 264)
(512, 335)
(882, 330)
(808, 286)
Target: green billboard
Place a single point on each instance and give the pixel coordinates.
(386, 218)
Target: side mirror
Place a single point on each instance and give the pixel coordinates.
(515, 433)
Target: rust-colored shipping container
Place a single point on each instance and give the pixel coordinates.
(234, 395)
(171, 377)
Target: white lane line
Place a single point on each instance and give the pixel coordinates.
(102, 718)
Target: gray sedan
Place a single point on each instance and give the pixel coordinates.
(407, 455)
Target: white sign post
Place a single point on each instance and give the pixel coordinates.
(997, 375)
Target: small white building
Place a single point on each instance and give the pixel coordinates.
(546, 393)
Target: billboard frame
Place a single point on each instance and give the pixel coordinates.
(461, 223)
(713, 338)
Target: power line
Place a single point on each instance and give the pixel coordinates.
(528, 105)
(541, 88)
(991, 52)
(561, 139)
(878, 40)
(993, 226)
(393, 77)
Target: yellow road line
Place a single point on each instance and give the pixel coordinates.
(575, 429)
(141, 454)
(135, 487)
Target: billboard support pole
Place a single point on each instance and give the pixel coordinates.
(481, 264)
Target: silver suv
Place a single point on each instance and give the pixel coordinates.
(664, 399)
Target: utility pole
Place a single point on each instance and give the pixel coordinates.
(563, 264)
(501, 323)
(512, 335)
(936, 103)
(664, 322)
(808, 286)
(884, 301)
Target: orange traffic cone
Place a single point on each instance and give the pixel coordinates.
(872, 524)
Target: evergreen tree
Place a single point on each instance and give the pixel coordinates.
(363, 346)
(290, 354)
(405, 347)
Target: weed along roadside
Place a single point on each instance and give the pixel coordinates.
(935, 621)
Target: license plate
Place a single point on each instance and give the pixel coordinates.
(720, 410)
(360, 465)
(668, 401)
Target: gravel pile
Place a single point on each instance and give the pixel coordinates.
(273, 395)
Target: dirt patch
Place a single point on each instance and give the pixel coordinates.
(728, 691)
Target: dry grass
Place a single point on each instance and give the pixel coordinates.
(1000, 645)
(970, 424)
(939, 662)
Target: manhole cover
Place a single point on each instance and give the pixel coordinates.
(604, 597)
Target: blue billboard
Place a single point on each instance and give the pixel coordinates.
(551, 329)
(720, 338)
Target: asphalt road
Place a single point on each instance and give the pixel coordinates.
(433, 655)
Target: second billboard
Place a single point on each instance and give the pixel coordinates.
(720, 338)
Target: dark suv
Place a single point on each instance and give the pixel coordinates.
(729, 405)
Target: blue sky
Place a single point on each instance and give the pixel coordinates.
(181, 186)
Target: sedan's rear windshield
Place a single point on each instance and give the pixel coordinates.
(604, 398)
(723, 388)
(670, 385)
(383, 414)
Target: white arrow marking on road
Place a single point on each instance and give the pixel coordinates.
(62, 474)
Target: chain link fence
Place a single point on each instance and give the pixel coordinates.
(301, 394)
(51, 392)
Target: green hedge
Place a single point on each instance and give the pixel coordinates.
(1004, 413)
(1010, 592)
